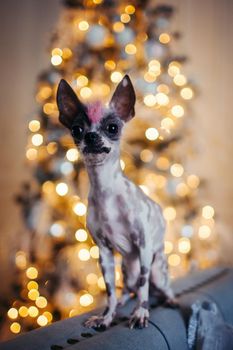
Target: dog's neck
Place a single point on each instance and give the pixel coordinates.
(105, 175)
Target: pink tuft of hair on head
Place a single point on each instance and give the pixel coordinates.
(95, 111)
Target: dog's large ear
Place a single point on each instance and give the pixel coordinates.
(68, 104)
(123, 99)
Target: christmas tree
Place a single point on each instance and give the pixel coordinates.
(95, 43)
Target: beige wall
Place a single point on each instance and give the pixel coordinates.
(207, 39)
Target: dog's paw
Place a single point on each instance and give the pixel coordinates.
(100, 321)
(139, 318)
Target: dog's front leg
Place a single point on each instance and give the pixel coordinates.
(140, 315)
(107, 264)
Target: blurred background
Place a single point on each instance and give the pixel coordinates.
(206, 29)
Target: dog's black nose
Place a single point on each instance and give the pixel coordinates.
(91, 138)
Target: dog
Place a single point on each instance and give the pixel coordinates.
(120, 216)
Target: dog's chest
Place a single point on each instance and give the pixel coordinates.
(112, 219)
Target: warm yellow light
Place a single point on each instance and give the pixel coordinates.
(32, 285)
(48, 315)
(84, 254)
(83, 25)
(42, 320)
(33, 311)
(162, 99)
(23, 311)
(163, 163)
(32, 273)
(34, 125)
(177, 170)
(48, 187)
(116, 77)
(160, 181)
(182, 189)
(41, 302)
(81, 235)
(101, 283)
(33, 294)
(193, 181)
(118, 27)
(184, 245)
(44, 93)
(152, 134)
(130, 9)
(86, 92)
(86, 300)
(81, 81)
(146, 155)
(80, 209)
(204, 232)
(21, 259)
(37, 139)
(167, 123)
(62, 189)
(149, 100)
(174, 260)
(125, 18)
(154, 65)
(110, 65)
(150, 77)
(67, 53)
(94, 252)
(31, 154)
(169, 213)
(163, 88)
(168, 247)
(52, 148)
(72, 154)
(130, 49)
(15, 327)
(56, 60)
(92, 278)
(186, 93)
(177, 111)
(207, 212)
(12, 313)
(164, 38)
(49, 108)
(56, 51)
(180, 80)
(122, 163)
(173, 69)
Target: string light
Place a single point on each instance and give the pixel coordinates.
(174, 260)
(130, 49)
(116, 77)
(42, 320)
(184, 245)
(180, 80)
(162, 99)
(86, 300)
(37, 139)
(169, 213)
(118, 27)
(15, 327)
(72, 154)
(84, 254)
(204, 232)
(33, 294)
(33, 311)
(186, 93)
(125, 18)
(164, 38)
(32, 285)
(62, 189)
(83, 26)
(92, 278)
(32, 272)
(110, 65)
(80, 209)
(12, 313)
(177, 111)
(56, 60)
(85, 92)
(150, 100)
(168, 247)
(34, 125)
(82, 81)
(41, 302)
(23, 311)
(94, 252)
(81, 235)
(152, 134)
(177, 170)
(207, 212)
(130, 9)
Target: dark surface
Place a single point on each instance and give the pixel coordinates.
(167, 326)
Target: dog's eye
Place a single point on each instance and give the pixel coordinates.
(112, 128)
(77, 131)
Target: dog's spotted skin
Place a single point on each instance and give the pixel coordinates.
(120, 216)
